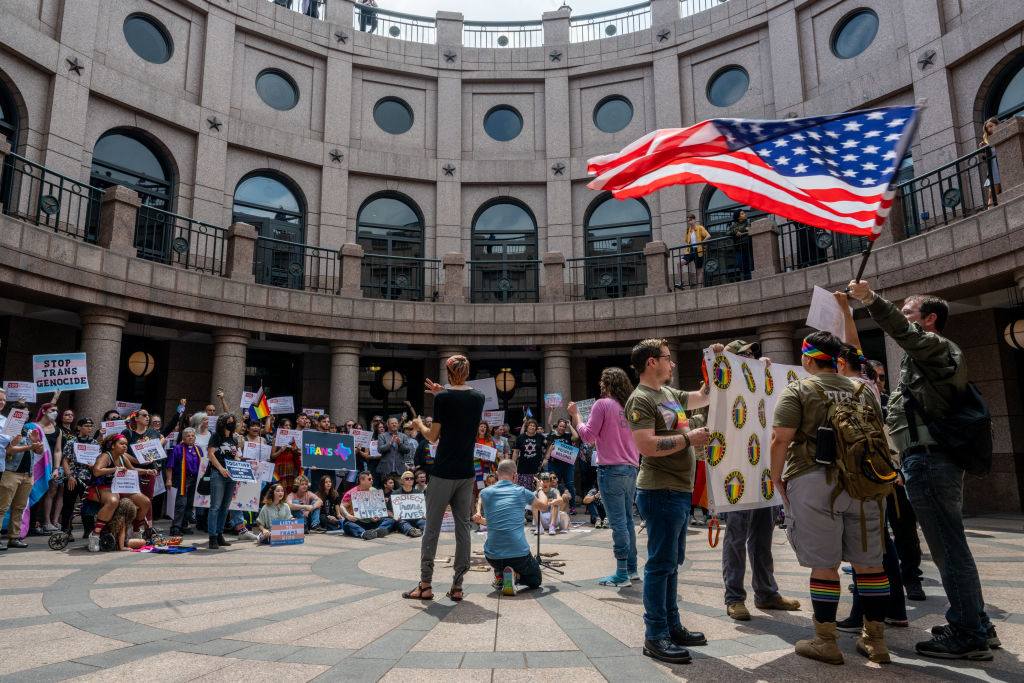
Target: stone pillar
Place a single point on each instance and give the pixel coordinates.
(443, 354)
(764, 247)
(229, 348)
(777, 343)
(217, 45)
(656, 255)
(554, 278)
(241, 253)
(894, 229)
(556, 30)
(664, 14)
(119, 210)
(344, 403)
(339, 14)
(1008, 141)
(454, 265)
(351, 256)
(449, 28)
(101, 342)
(557, 376)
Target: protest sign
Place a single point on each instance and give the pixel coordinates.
(18, 391)
(826, 314)
(241, 470)
(565, 452)
(148, 451)
(211, 423)
(282, 405)
(584, 407)
(485, 452)
(125, 482)
(313, 412)
(494, 418)
(126, 407)
(247, 493)
(327, 451)
(553, 400)
(266, 471)
(247, 398)
(287, 532)
(15, 421)
(286, 438)
(368, 504)
(409, 505)
(112, 427)
(256, 450)
(172, 439)
(361, 438)
(64, 371)
(374, 450)
(86, 453)
(487, 387)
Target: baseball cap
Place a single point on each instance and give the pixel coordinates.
(740, 347)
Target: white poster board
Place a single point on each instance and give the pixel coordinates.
(826, 314)
(148, 451)
(485, 452)
(493, 418)
(86, 453)
(247, 493)
(584, 407)
(565, 452)
(361, 438)
(126, 407)
(16, 420)
(487, 387)
(113, 427)
(288, 438)
(282, 405)
(18, 391)
(368, 504)
(125, 482)
(409, 505)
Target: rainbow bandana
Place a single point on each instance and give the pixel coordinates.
(816, 354)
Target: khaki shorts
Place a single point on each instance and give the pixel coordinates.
(822, 539)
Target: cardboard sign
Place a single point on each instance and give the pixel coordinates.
(361, 438)
(211, 423)
(552, 400)
(15, 421)
(247, 493)
(409, 505)
(113, 427)
(282, 405)
(17, 391)
(256, 450)
(287, 532)
(241, 470)
(247, 398)
(148, 451)
(494, 418)
(286, 438)
(86, 453)
(125, 482)
(126, 408)
(485, 452)
(64, 371)
(172, 439)
(368, 504)
(327, 451)
(487, 387)
(564, 452)
(584, 407)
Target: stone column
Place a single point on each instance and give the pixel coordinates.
(454, 265)
(119, 209)
(351, 256)
(778, 344)
(557, 376)
(554, 278)
(1008, 141)
(894, 229)
(764, 247)
(101, 342)
(339, 13)
(241, 252)
(229, 348)
(344, 403)
(656, 255)
(556, 30)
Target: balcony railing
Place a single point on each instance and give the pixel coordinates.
(607, 277)
(43, 197)
(504, 282)
(402, 278)
(384, 22)
(586, 27)
(311, 8)
(691, 7)
(502, 33)
(948, 193)
(296, 266)
(801, 246)
(714, 261)
(174, 240)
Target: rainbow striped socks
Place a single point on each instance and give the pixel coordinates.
(874, 595)
(824, 599)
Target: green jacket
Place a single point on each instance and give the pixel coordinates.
(739, 231)
(933, 371)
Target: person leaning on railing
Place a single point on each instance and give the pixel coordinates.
(368, 16)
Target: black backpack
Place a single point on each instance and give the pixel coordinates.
(965, 434)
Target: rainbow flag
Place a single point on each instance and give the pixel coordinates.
(259, 408)
(700, 486)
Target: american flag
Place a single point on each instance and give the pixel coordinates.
(833, 172)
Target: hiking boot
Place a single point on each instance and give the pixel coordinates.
(738, 611)
(369, 534)
(667, 651)
(914, 591)
(951, 646)
(780, 603)
(381, 533)
(414, 533)
(685, 638)
(823, 646)
(990, 634)
(871, 643)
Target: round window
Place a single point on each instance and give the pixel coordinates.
(148, 38)
(393, 115)
(503, 123)
(277, 89)
(728, 86)
(854, 33)
(612, 114)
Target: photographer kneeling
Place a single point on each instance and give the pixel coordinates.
(506, 548)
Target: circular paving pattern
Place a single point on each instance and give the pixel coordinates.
(330, 609)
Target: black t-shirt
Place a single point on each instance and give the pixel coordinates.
(458, 412)
(555, 436)
(531, 452)
(225, 447)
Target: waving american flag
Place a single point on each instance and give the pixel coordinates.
(833, 172)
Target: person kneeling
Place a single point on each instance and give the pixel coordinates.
(366, 529)
(506, 548)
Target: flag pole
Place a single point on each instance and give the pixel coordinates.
(863, 263)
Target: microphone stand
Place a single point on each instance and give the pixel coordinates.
(545, 564)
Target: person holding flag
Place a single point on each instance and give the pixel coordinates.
(25, 480)
(259, 409)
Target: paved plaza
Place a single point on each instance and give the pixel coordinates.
(330, 609)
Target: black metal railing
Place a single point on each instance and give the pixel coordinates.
(948, 193)
(311, 8)
(801, 245)
(281, 263)
(631, 19)
(504, 282)
(503, 33)
(607, 277)
(691, 7)
(714, 261)
(174, 240)
(384, 22)
(400, 277)
(43, 197)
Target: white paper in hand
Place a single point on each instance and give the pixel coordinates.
(826, 314)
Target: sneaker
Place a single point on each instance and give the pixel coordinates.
(990, 633)
(369, 534)
(551, 530)
(634, 575)
(16, 543)
(414, 533)
(51, 527)
(604, 523)
(498, 582)
(950, 646)
(508, 584)
(94, 542)
(848, 569)
(3, 544)
(381, 533)
(899, 623)
(616, 580)
(247, 536)
(849, 625)
(38, 531)
(259, 539)
(481, 528)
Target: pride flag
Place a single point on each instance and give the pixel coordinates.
(259, 408)
(42, 466)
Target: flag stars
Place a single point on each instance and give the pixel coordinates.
(830, 149)
(782, 161)
(868, 181)
(800, 168)
(872, 134)
(892, 137)
(869, 166)
(799, 150)
(850, 157)
(798, 136)
(832, 134)
(852, 126)
(871, 149)
(876, 116)
(848, 144)
(781, 143)
(849, 173)
(896, 123)
(889, 155)
(813, 135)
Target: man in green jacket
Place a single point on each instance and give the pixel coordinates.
(933, 371)
(739, 231)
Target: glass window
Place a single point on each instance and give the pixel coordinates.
(503, 123)
(504, 267)
(148, 38)
(617, 230)
(728, 85)
(8, 118)
(267, 197)
(393, 115)
(123, 159)
(1006, 98)
(854, 33)
(389, 228)
(612, 114)
(277, 89)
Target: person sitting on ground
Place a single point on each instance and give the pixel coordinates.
(595, 507)
(329, 519)
(274, 509)
(111, 460)
(364, 528)
(552, 515)
(410, 527)
(389, 484)
(305, 504)
(478, 516)
(121, 523)
(506, 548)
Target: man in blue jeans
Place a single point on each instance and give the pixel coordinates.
(934, 372)
(657, 417)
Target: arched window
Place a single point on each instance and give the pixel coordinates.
(504, 267)
(716, 210)
(389, 228)
(617, 231)
(1006, 96)
(9, 118)
(275, 208)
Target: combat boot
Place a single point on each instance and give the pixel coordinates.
(823, 647)
(871, 643)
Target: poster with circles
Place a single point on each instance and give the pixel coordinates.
(742, 402)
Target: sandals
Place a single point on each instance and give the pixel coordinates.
(420, 592)
(455, 593)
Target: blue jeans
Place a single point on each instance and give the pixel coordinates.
(668, 515)
(935, 487)
(357, 528)
(403, 525)
(236, 519)
(222, 490)
(314, 517)
(566, 477)
(618, 489)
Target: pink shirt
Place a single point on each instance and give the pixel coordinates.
(607, 427)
